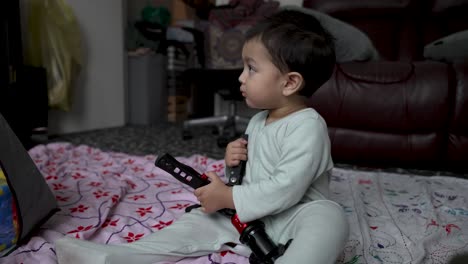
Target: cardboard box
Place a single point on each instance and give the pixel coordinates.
(177, 108)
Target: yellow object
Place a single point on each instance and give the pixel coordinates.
(9, 225)
(55, 44)
(2, 181)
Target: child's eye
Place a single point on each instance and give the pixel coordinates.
(251, 69)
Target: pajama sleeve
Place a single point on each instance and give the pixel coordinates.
(304, 156)
(254, 119)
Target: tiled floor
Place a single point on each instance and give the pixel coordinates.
(142, 140)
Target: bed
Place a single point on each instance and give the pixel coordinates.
(112, 197)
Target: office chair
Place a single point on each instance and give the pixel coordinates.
(205, 83)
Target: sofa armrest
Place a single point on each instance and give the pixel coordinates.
(457, 142)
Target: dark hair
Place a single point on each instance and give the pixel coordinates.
(297, 42)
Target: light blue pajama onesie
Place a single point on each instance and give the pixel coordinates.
(285, 185)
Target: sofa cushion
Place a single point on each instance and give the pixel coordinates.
(390, 24)
(386, 111)
(453, 47)
(351, 44)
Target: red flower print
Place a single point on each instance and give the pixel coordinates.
(108, 222)
(223, 253)
(132, 184)
(179, 191)
(150, 176)
(132, 237)
(77, 176)
(51, 177)
(99, 193)
(218, 167)
(137, 169)
(162, 224)
(115, 198)
(179, 206)
(129, 161)
(107, 164)
(143, 211)
(59, 186)
(161, 184)
(80, 208)
(136, 197)
(432, 223)
(361, 181)
(95, 184)
(80, 229)
(448, 228)
(61, 199)
(51, 164)
(105, 172)
(203, 160)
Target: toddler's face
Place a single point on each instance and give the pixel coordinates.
(261, 81)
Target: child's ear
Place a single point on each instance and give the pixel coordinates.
(294, 83)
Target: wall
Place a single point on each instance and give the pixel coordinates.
(99, 94)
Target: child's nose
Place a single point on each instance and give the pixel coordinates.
(241, 77)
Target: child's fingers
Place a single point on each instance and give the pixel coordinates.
(238, 143)
(212, 176)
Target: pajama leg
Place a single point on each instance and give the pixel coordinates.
(319, 230)
(193, 234)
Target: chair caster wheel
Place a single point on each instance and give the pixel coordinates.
(186, 135)
(222, 142)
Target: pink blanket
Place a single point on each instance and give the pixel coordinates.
(118, 198)
(110, 198)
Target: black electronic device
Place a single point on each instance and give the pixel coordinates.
(264, 250)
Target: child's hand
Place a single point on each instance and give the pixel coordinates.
(214, 196)
(235, 152)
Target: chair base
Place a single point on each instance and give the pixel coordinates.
(229, 127)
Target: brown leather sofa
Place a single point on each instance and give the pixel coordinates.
(399, 28)
(396, 113)
(404, 110)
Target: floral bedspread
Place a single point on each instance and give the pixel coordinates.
(113, 198)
